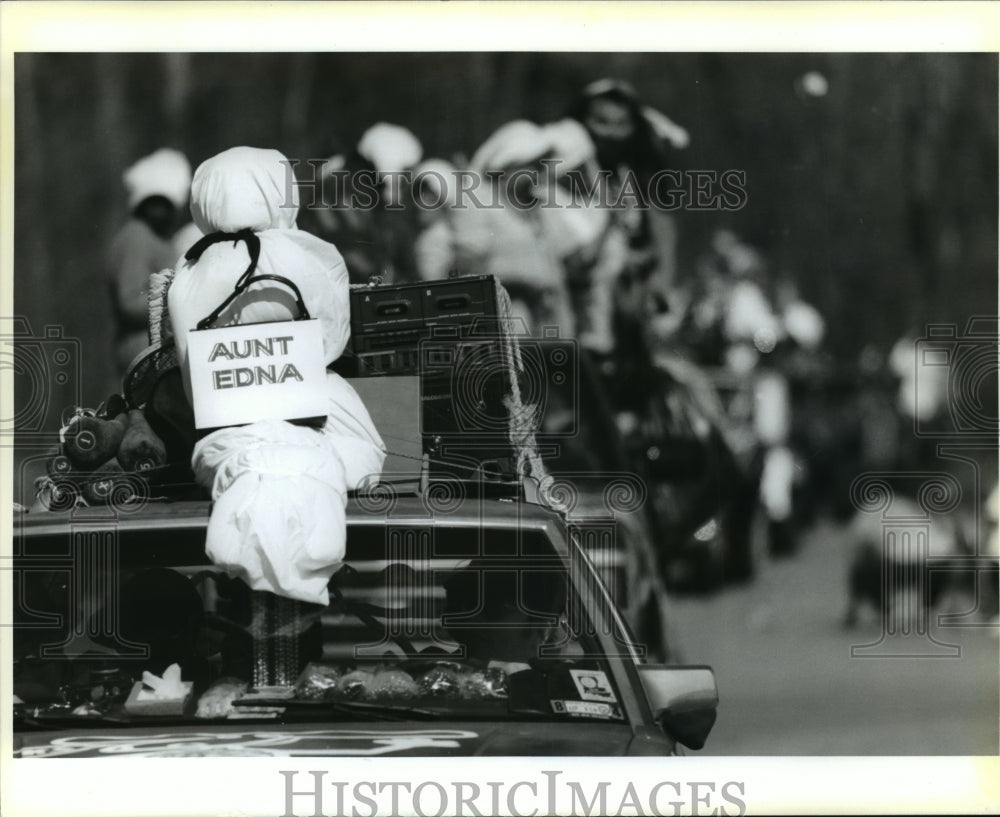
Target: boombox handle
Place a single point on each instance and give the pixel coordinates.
(241, 287)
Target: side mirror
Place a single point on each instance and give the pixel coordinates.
(683, 699)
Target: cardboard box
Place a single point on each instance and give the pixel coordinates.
(394, 406)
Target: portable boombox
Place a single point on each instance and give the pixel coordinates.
(451, 337)
(388, 323)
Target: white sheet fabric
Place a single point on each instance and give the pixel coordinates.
(280, 490)
(247, 188)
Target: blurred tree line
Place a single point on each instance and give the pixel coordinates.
(876, 190)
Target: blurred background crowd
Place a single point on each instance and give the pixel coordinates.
(787, 314)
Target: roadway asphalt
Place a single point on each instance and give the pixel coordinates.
(789, 685)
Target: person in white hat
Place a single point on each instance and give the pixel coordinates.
(434, 196)
(157, 188)
(364, 206)
(507, 236)
(391, 150)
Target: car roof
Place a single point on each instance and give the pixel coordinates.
(363, 510)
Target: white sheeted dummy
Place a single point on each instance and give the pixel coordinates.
(280, 490)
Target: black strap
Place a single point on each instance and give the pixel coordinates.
(208, 320)
(252, 241)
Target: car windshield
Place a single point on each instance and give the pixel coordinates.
(422, 623)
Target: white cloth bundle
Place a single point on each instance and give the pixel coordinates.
(280, 490)
(169, 686)
(278, 519)
(248, 189)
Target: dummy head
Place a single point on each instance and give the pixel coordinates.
(244, 188)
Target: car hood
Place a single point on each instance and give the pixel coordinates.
(459, 738)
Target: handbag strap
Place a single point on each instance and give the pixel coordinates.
(249, 237)
(252, 241)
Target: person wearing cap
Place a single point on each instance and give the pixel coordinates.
(507, 236)
(513, 613)
(393, 152)
(157, 188)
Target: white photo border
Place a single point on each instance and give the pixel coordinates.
(254, 786)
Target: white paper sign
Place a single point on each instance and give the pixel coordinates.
(260, 371)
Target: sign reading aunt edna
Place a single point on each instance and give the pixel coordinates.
(261, 371)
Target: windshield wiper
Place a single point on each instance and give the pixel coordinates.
(370, 711)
